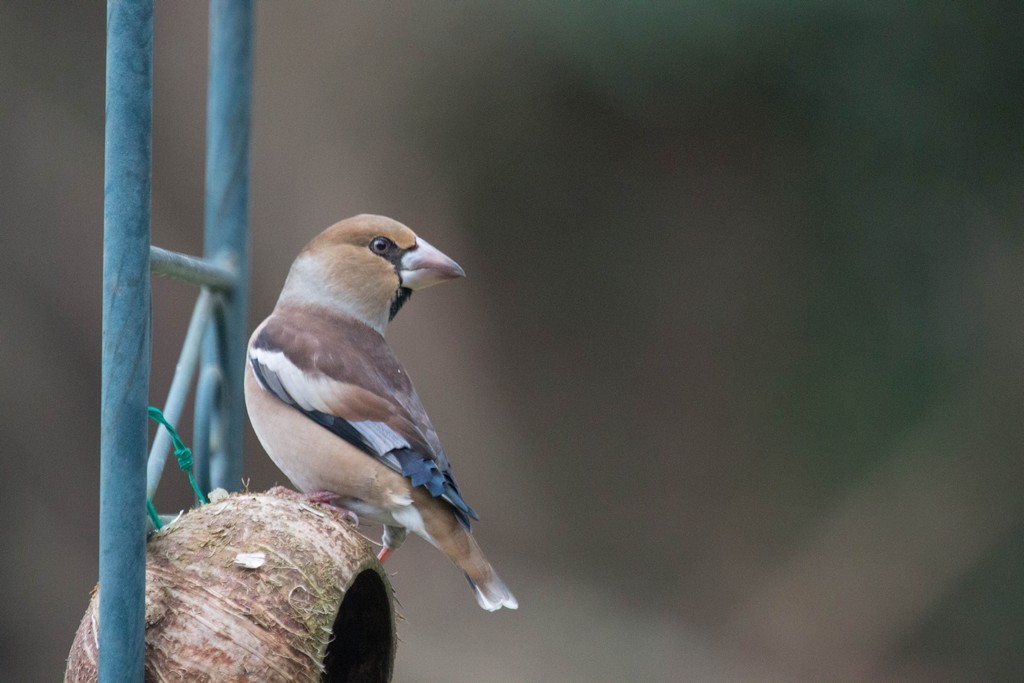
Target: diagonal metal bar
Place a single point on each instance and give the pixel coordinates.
(126, 338)
(180, 384)
(192, 269)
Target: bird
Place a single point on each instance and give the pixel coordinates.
(335, 410)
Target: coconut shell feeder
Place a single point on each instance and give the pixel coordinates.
(263, 587)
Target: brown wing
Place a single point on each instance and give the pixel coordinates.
(343, 375)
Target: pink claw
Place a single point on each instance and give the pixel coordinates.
(321, 497)
(352, 517)
(326, 497)
(384, 553)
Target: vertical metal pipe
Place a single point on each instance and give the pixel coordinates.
(207, 427)
(227, 215)
(126, 339)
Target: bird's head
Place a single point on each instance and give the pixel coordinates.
(366, 267)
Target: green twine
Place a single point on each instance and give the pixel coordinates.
(184, 455)
(153, 517)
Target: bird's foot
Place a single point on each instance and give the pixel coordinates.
(328, 498)
(394, 536)
(352, 517)
(283, 491)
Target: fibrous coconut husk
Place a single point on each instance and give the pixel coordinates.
(258, 587)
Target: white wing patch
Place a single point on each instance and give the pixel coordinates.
(308, 392)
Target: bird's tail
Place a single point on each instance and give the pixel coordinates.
(491, 592)
(461, 548)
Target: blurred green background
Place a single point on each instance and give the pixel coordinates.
(735, 380)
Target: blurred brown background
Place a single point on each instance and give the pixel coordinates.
(735, 380)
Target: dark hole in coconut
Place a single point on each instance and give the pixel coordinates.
(361, 646)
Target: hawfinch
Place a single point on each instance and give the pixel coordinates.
(336, 411)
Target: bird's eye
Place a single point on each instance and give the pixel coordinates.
(380, 245)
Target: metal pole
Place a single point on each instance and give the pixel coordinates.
(227, 213)
(126, 339)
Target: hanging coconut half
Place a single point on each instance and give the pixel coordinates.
(261, 587)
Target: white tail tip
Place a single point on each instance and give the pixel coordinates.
(494, 594)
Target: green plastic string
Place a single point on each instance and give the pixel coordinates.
(182, 452)
(153, 517)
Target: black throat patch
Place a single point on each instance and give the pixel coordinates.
(401, 296)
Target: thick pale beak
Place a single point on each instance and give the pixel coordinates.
(423, 265)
